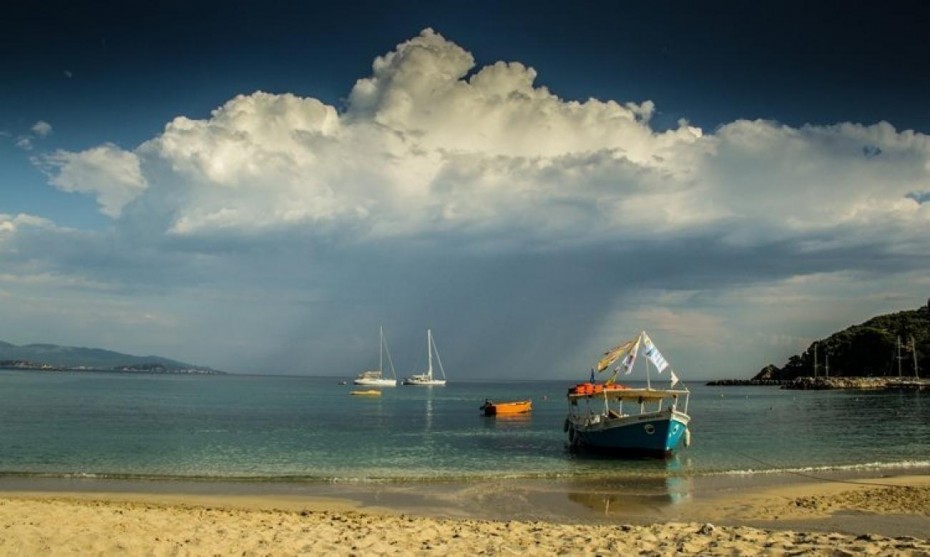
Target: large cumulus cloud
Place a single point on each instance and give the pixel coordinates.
(579, 206)
(430, 143)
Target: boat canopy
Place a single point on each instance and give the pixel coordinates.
(626, 394)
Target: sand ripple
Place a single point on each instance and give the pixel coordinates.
(63, 526)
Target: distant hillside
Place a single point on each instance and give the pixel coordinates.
(866, 350)
(38, 356)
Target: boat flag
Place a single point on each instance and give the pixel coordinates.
(613, 354)
(630, 359)
(673, 378)
(653, 354)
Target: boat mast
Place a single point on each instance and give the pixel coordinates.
(914, 353)
(429, 351)
(899, 355)
(380, 351)
(648, 383)
(815, 359)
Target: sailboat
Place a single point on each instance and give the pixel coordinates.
(375, 378)
(427, 379)
(615, 419)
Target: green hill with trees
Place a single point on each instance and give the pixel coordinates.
(883, 346)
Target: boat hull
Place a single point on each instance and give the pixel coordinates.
(376, 382)
(370, 392)
(657, 434)
(425, 382)
(504, 408)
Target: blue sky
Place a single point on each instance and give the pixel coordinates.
(258, 188)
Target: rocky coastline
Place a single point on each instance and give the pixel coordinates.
(808, 383)
(857, 383)
(747, 382)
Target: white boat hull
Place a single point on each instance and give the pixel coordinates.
(376, 382)
(424, 382)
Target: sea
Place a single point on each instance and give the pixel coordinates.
(265, 428)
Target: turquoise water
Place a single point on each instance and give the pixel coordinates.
(268, 428)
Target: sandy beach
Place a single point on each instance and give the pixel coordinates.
(877, 516)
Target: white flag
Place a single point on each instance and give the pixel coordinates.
(674, 378)
(630, 359)
(653, 354)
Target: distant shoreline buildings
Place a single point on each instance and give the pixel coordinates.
(26, 365)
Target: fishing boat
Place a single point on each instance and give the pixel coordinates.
(375, 378)
(427, 379)
(622, 421)
(367, 392)
(499, 408)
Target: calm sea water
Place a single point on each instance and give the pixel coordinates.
(268, 428)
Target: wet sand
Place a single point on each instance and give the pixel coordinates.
(715, 516)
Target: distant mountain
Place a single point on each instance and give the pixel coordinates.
(53, 356)
(867, 350)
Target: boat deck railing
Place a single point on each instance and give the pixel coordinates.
(642, 397)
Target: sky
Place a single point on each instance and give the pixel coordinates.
(259, 187)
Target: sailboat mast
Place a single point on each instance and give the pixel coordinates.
(429, 351)
(815, 359)
(380, 349)
(648, 382)
(899, 355)
(914, 354)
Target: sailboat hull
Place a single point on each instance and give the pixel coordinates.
(657, 434)
(424, 381)
(376, 382)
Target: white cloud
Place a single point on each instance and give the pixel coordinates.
(10, 224)
(27, 142)
(425, 146)
(113, 175)
(42, 128)
(793, 182)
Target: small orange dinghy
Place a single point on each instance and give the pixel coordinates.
(516, 407)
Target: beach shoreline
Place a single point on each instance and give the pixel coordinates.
(880, 514)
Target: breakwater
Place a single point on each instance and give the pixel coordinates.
(857, 383)
(808, 383)
(746, 382)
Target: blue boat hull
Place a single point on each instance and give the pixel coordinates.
(657, 434)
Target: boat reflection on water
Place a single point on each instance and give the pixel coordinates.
(508, 421)
(631, 495)
(647, 495)
(429, 412)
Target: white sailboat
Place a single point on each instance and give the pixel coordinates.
(375, 378)
(427, 379)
